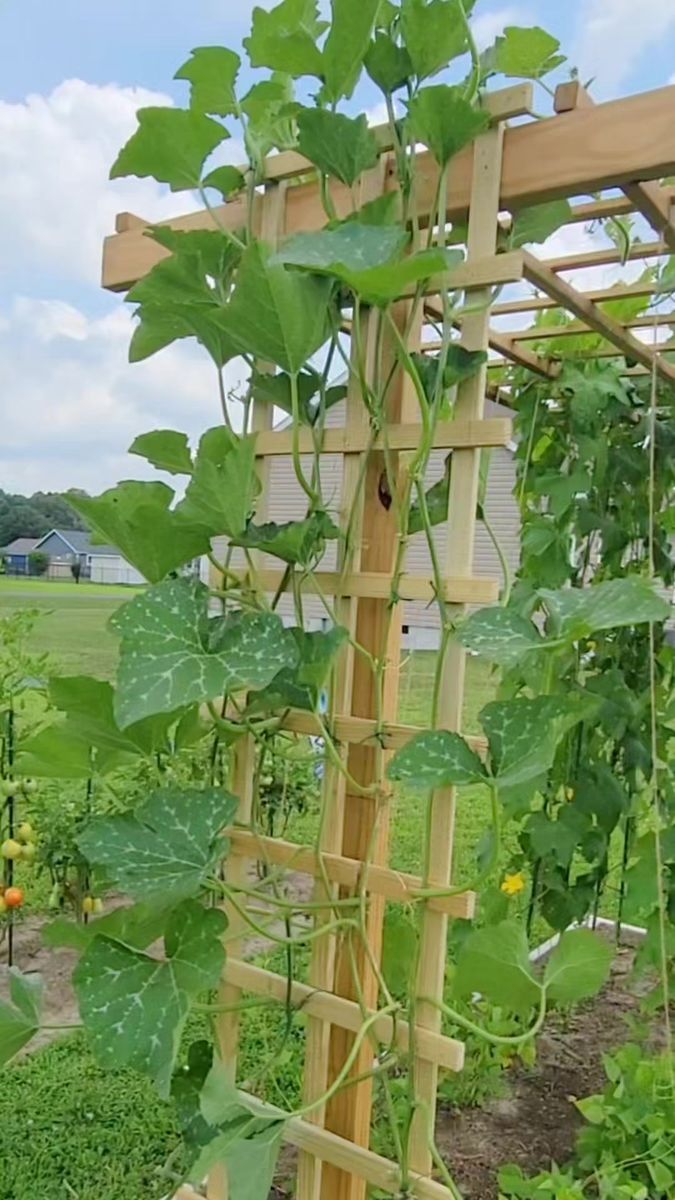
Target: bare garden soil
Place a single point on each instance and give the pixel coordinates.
(537, 1123)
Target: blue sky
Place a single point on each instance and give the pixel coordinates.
(72, 74)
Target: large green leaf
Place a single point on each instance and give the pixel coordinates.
(212, 73)
(164, 849)
(270, 111)
(171, 654)
(226, 179)
(20, 1019)
(298, 542)
(221, 493)
(338, 145)
(524, 734)
(578, 967)
(500, 635)
(495, 962)
(275, 388)
(459, 364)
(285, 39)
(137, 518)
(221, 1128)
(388, 64)
(351, 26)
(434, 33)
(139, 926)
(277, 315)
(535, 225)
(579, 612)
(166, 449)
(341, 252)
(525, 53)
(171, 145)
(300, 687)
(441, 118)
(436, 758)
(134, 1007)
(56, 752)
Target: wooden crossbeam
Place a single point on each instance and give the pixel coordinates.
(596, 318)
(397, 886)
(575, 154)
(446, 1051)
(650, 199)
(545, 332)
(448, 435)
(501, 342)
(373, 585)
(362, 730)
(597, 296)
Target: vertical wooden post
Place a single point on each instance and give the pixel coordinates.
(460, 535)
(227, 1028)
(366, 821)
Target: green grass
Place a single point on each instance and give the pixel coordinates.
(22, 587)
(73, 626)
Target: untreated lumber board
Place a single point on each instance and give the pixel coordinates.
(392, 736)
(503, 343)
(577, 328)
(448, 435)
(397, 886)
(577, 153)
(376, 585)
(596, 318)
(596, 295)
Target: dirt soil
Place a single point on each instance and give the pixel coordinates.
(538, 1122)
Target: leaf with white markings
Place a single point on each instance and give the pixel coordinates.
(137, 518)
(170, 145)
(578, 612)
(524, 734)
(166, 449)
(301, 687)
(134, 1007)
(221, 494)
(500, 635)
(436, 758)
(578, 967)
(20, 1019)
(167, 847)
(172, 655)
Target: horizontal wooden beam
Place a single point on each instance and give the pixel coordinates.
(578, 328)
(597, 296)
(448, 435)
(397, 886)
(593, 316)
(378, 587)
(498, 341)
(622, 141)
(363, 731)
(446, 1051)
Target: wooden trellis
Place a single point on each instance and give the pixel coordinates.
(624, 145)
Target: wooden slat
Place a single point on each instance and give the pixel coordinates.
(362, 730)
(448, 435)
(596, 318)
(500, 342)
(596, 295)
(622, 141)
(376, 585)
(336, 1010)
(397, 886)
(575, 328)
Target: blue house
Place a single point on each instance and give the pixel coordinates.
(16, 555)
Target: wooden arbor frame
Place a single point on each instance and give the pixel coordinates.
(628, 145)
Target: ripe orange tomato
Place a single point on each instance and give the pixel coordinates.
(13, 897)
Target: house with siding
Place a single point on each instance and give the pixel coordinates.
(16, 556)
(100, 564)
(420, 621)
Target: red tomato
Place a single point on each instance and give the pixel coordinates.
(13, 897)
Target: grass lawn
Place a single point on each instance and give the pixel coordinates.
(73, 626)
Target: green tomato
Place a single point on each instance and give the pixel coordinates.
(11, 849)
(29, 787)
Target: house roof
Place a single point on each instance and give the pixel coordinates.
(21, 545)
(79, 541)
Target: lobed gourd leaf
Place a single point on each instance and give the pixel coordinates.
(345, 47)
(137, 518)
(524, 53)
(535, 225)
(299, 543)
(277, 315)
(221, 493)
(443, 120)
(578, 612)
(495, 962)
(164, 849)
(20, 1016)
(171, 654)
(434, 33)
(275, 389)
(578, 967)
(165, 449)
(134, 1006)
(300, 687)
(341, 146)
(285, 38)
(212, 74)
(523, 734)
(226, 179)
(170, 145)
(436, 758)
(500, 635)
(388, 64)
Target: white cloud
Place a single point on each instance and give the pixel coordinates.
(72, 404)
(56, 201)
(490, 25)
(613, 35)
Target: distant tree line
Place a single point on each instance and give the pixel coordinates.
(33, 516)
